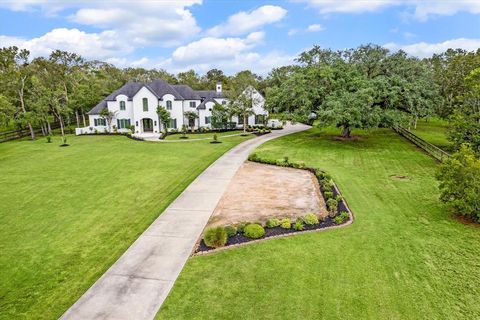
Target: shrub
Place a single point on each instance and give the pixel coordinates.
(254, 231)
(298, 225)
(272, 223)
(241, 226)
(460, 182)
(285, 159)
(310, 219)
(332, 206)
(339, 198)
(215, 138)
(286, 223)
(253, 157)
(215, 237)
(328, 195)
(344, 215)
(231, 230)
(338, 220)
(326, 184)
(49, 139)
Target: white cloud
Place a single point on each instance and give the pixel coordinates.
(315, 28)
(422, 10)
(89, 45)
(292, 32)
(423, 49)
(165, 23)
(244, 22)
(210, 49)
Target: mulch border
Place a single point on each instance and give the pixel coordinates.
(336, 191)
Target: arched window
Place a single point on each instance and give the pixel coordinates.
(122, 105)
(169, 105)
(145, 104)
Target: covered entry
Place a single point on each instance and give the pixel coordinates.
(147, 125)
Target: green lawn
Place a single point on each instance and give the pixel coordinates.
(66, 214)
(433, 130)
(202, 135)
(404, 257)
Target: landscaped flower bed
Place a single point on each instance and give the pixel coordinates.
(339, 214)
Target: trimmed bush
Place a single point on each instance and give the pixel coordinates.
(231, 230)
(215, 237)
(339, 198)
(241, 226)
(332, 206)
(254, 231)
(286, 223)
(328, 195)
(272, 223)
(298, 225)
(310, 219)
(344, 215)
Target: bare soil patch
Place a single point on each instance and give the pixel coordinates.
(259, 192)
(399, 177)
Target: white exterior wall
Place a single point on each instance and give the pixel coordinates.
(139, 114)
(114, 106)
(206, 113)
(177, 108)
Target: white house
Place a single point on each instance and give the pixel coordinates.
(136, 104)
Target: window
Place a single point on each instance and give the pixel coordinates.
(259, 119)
(99, 122)
(169, 105)
(172, 124)
(155, 123)
(123, 123)
(193, 104)
(240, 119)
(224, 102)
(145, 104)
(207, 120)
(122, 105)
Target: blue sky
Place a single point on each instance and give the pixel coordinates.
(233, 35)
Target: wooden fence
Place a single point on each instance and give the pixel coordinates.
(18, 134)
(429, 148)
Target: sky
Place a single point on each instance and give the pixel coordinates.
(233, 35)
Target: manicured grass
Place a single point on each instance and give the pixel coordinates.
(66, 214)
(433, 130)
(208, 135)
(404, 257)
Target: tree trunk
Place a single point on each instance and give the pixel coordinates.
(77, 117)
(244, 124)
(42, 126)
(346, 131)
(22, 105)
(415, 123)
(60, 119)
(83, 118)
(49, 128)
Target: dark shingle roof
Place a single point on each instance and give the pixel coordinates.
(159, 88)
(129, 89)
(203, 104)
(209, 94)
(98, 107)
(186, 92)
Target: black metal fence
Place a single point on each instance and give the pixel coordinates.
(432, 150)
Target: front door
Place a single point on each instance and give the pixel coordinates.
(147, 125)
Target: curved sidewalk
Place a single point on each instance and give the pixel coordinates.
(136, 285)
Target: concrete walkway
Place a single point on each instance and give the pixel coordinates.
(138, 283)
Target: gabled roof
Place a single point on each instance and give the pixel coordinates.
(186, 92)
(96, 110)
(204, 102)
(161, 87)
(210, 94)
(129, 89)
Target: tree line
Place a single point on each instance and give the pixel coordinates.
(64, 86)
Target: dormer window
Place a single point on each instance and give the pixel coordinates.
(145, 104)
(169, 105)
(193, 104)
(122, 105)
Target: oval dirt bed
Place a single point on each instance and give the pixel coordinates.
(259, 192)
